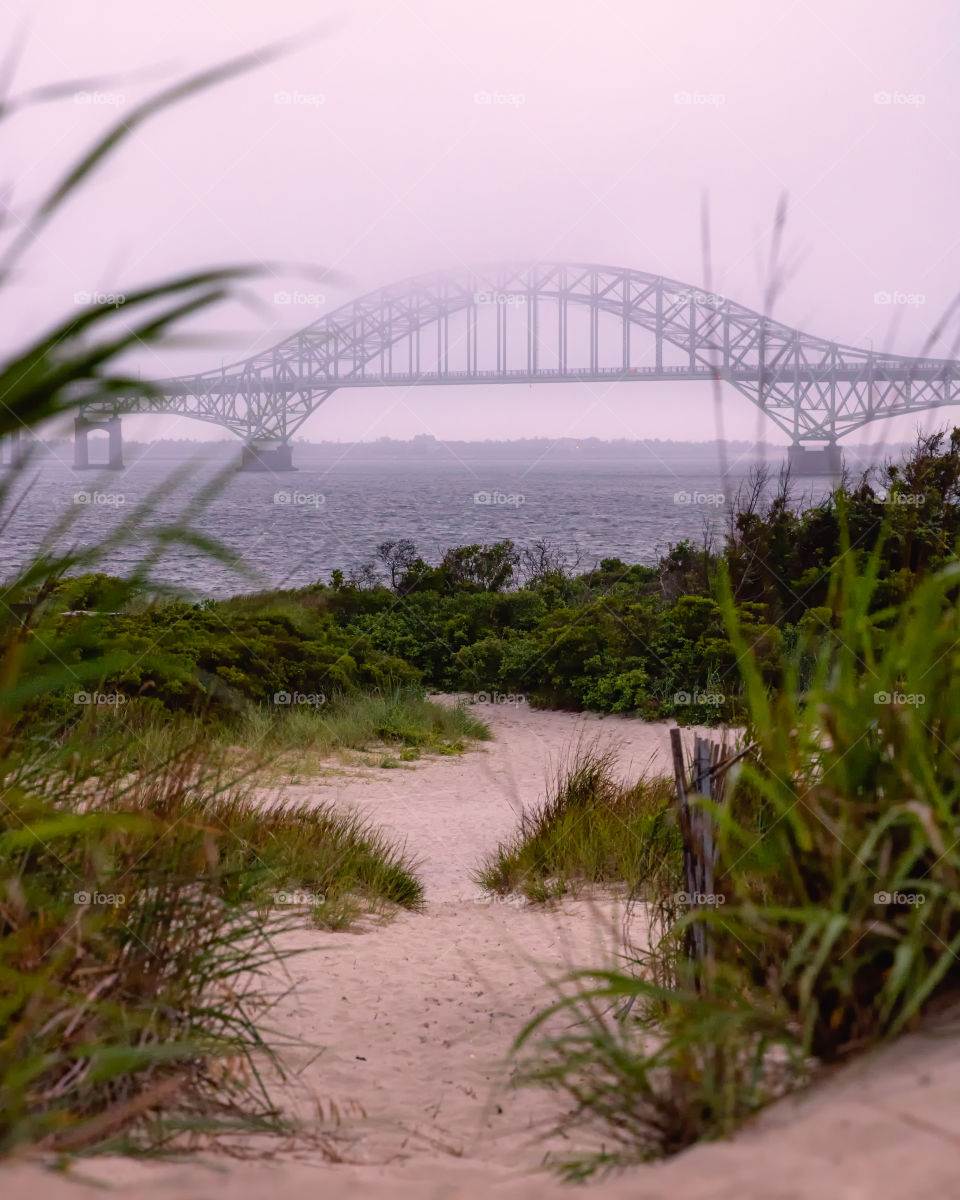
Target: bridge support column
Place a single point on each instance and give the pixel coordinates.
(11, 450)
(81, 449)
(267, 454)
(804, 460)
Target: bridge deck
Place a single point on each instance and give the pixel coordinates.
(227, 384)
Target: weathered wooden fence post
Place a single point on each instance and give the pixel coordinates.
(710, 761)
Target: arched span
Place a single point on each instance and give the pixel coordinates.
(554, 323)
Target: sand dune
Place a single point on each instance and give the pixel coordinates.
(404, 1029)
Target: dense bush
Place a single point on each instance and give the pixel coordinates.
(213, 659)
(615, 638)
(652, 640)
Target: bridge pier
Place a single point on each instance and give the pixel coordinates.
(803, 460)
(11, 450)
(267, 454)
(82, 426)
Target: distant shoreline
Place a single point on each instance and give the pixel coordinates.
(425, 448)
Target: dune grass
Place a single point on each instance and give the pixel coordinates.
(839, 868)
(402, 721)
(591, 828)
(138, 918)
(377, 728)
(141, 891)
(335, 863)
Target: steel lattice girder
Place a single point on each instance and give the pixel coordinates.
(811, 388)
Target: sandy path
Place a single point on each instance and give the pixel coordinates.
(451, 811)
(416, 1017)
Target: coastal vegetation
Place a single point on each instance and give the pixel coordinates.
(497, 621)
(139, 916)
(591, 828)
(827, 630)
(835, 921)
(145, 884)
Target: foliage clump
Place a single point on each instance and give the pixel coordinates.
(836, 918)
(591, 828)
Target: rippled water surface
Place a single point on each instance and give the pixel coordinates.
(295, 528)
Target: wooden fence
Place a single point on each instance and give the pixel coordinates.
(706, 777)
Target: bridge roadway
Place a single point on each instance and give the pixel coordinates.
(935, 371)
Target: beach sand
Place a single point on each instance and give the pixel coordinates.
(402, 1030)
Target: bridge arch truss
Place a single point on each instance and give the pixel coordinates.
(553, 323)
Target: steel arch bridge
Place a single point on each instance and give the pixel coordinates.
(547, 323)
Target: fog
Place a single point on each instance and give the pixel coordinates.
(401, 136)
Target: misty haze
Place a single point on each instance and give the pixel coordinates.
(479, 706)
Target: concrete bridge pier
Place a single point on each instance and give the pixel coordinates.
(267, 454)
(81, 449)
(826, 460)
(12, 450)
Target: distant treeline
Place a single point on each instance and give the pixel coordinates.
(737, 454)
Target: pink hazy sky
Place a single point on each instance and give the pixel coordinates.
(382, 164)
